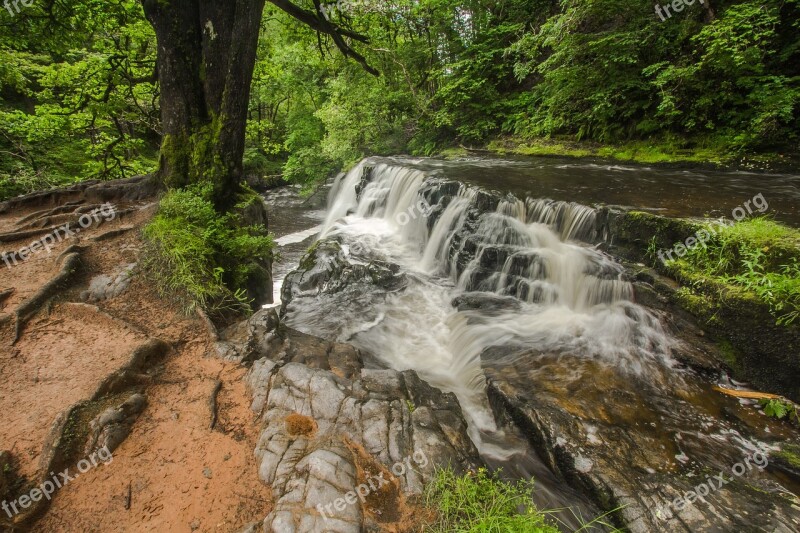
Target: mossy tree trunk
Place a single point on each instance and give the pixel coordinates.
(206, 56)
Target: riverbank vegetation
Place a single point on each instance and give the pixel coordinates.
(756, 258)
(204, 260)
(480, 501)
(603, 79)
(720, 85)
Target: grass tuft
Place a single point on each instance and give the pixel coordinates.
(200, 257)
(481, 502)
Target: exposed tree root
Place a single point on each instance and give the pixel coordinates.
(210, 327)
(143, 359)
(66, 440)
(71, 221)
(111, 234)
(30, 306)
(60, 218)
(5, 294)
(127, 190)
(68, 207)
(213, 403)
(73, 249)
(55, 197)
(27, 234)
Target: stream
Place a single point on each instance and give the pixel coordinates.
(499, 295)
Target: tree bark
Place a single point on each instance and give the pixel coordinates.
(206, 56)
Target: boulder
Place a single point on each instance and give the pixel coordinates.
(345, 448)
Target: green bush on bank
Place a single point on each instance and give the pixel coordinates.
(199, 256)
(757, 256)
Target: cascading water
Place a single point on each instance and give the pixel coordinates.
(560, 296)
(571, 299)
(500, 290)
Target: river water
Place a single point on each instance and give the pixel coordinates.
(519, 276)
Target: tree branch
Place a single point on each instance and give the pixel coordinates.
(319, 23)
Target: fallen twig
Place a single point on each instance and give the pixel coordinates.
(747, 394)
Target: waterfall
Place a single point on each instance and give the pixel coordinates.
(570, 220)
(527, 270)
(392, 194)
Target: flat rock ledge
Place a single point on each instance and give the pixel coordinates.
(344, 448)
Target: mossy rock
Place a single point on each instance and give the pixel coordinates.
(250, 208)
(753, 346)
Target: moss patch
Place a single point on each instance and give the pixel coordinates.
(791, 454)
(650, 152)
(756, 260)
(299, 425)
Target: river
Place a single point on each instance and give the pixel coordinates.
(513, 292)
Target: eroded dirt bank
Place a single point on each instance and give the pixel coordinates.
(76, 357)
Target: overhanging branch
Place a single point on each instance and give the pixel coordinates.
(318, 22)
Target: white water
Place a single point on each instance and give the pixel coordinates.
(571, 299)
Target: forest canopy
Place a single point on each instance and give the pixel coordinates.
(79, 93)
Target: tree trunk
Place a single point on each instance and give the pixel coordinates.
(206, 56)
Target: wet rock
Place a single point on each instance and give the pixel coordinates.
(249, 340)
(694, 349)
(630, 444)
(787, 460)
(323, 416)
(111, 427)
(487, 302)
(366, 178)
(328, 269)
(749, 342)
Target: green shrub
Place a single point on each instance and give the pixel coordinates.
(201, 257)
(757, 255)
(479, 502)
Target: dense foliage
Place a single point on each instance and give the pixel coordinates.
(78, 97)
(714, 82)
(202, 259)
(77, 94)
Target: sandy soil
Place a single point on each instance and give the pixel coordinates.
(182, 475)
